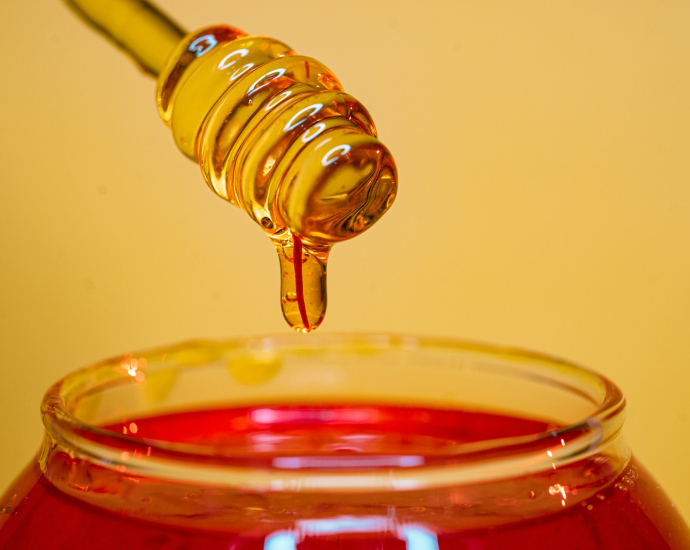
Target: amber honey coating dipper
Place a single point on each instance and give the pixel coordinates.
(273, 132)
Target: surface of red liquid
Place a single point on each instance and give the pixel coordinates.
(629, 512)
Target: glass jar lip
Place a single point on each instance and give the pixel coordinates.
(479, 462)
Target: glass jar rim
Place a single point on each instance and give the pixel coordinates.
(470, 463)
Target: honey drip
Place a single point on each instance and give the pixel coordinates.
(302, 283)
(275, 135)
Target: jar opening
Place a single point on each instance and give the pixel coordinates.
(332, 413)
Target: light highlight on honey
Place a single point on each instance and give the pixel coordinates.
(276, 135)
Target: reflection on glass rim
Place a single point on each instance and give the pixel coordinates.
(335, 368)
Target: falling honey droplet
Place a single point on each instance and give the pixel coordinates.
(303, 282)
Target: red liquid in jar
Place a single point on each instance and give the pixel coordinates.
(629, 512)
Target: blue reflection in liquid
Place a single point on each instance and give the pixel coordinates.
(348, 524)
(281, 541)
(419, 539)
(416, 538)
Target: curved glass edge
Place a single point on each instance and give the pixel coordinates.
(472, 464)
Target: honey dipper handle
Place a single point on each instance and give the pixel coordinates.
(137, 27)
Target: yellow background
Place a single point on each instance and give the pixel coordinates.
(544, 157)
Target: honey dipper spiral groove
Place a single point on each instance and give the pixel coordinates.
(276, 135)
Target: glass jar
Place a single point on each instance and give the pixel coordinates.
(370, 442)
